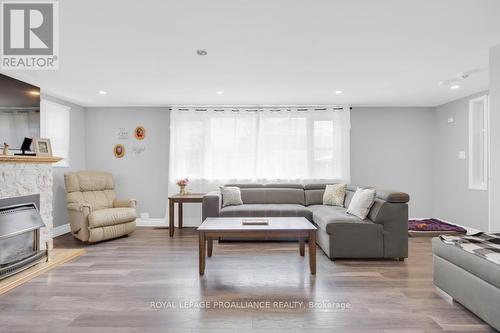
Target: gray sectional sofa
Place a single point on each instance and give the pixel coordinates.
(384, 234)
(469, 279)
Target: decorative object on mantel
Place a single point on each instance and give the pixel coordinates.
(42, 147)
(119, 150)
(182, 186)
(140, 132)
(5, 149)
(26, 146)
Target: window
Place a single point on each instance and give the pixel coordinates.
(478, 143)
(54, 124)
(213, 146)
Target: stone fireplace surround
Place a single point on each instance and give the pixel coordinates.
(27, 177)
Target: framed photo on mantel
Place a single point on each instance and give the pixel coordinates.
(42, 147)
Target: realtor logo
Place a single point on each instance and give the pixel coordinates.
(30, 35)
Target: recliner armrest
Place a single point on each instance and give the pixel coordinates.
(131, 203)
(211, 205)
(78, 213)
(80, 207)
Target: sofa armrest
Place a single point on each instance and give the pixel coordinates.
(392, 196)
(130, 203)
(394, 220)
(211, 205)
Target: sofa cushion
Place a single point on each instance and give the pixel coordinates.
(315, 190)
(472, 263)
(334, 195)
(231, 196)
(88, 181)
(266, 210)
(361, 203)
(96, 199)
(314, 197)
(313, 194)
(273, 196)
(326, 216)
(111, 216)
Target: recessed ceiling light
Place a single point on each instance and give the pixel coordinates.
(455, 86)
(34, 93)
(102, 92)
(219, 92)
(201, 52)
(338, 92)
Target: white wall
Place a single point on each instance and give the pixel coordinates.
(494, 184)
(391, 147)
(402, 148)
(453, 200)
(77, 159)
(140, 176)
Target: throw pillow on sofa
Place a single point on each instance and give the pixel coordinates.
(334, 195)
(231, 196)
(361, 203)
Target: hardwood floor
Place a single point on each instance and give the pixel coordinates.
(110, 289)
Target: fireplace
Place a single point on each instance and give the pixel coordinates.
(19, 238)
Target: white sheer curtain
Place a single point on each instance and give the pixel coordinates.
(213, 146)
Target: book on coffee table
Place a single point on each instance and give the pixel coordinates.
(254, 221)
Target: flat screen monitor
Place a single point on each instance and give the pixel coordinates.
(19, 111)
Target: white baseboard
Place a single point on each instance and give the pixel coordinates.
(444, 295)
(151, 222)
(61, 230)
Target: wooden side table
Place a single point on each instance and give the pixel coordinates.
(180, 199)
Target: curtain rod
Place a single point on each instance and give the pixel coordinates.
(336, 107)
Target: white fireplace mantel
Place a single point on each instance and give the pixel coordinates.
(26, 175)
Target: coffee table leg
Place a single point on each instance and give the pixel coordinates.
(312, 251)
(171, 217)
(202, 252)
(302, 247)
(210, 246)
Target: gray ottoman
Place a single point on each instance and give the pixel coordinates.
(469, 279)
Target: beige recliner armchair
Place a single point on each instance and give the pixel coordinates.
(94, 212)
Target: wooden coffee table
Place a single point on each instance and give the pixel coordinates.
(278, 227)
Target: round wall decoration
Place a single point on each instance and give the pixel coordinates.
(140, 132)
(119, 151)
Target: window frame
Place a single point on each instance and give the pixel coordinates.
(65, 162)
(340, 164)
(483, 185)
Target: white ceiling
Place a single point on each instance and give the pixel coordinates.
(384, 52)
